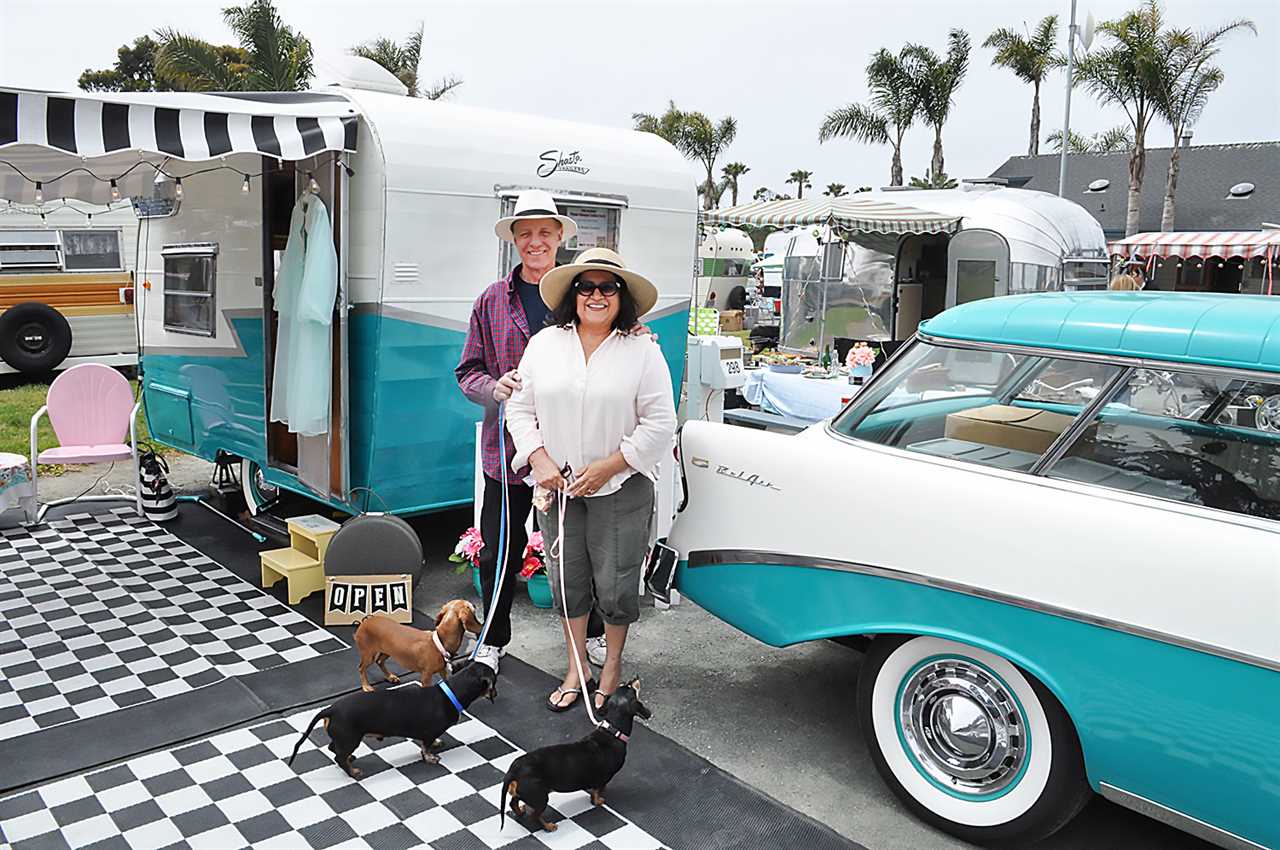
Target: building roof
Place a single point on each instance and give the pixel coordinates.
(1238, 331)
(1205, 174)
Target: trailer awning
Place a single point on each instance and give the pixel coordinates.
(74, 144)
(1202, 243)
(849, 214)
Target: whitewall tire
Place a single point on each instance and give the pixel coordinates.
(968, 741)
(257, 491)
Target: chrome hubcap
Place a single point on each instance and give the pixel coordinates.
(963, 727)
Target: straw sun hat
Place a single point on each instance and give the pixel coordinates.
(556, 282)
(534, 203)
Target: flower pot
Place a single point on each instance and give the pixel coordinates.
(475, 579)
(539, 590)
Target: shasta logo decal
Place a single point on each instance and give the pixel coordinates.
(553, 161)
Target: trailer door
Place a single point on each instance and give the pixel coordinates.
(977, 266)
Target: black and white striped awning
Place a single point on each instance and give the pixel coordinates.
(43, 135)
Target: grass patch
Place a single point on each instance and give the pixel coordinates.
(18, 404)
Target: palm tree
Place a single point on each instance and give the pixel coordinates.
(895, 99)
(938, 80)
(402, 60)
(694, 135)
(933, 180)
(1128, 73)
(1188, 80)
(731, 173)
(276, 57)
(801, 179)
(1029, 58)
(1115, 140)
(835, 190)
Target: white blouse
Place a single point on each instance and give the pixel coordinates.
(582, 411)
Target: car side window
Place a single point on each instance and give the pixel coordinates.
(1208, 439)
(984, 406)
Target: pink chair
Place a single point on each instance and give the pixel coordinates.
(91, 407)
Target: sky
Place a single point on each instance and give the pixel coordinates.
(778, 67)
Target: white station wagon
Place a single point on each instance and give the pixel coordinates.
(1057, 518)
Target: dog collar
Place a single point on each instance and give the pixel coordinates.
(435, 638)
(604, 724)
(452, 697)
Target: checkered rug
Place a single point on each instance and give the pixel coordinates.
(236, 790)
(103, 611)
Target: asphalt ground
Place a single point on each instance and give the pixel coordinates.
(780, 720)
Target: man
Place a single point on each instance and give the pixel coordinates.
(505, 315)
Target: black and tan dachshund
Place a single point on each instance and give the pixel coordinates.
(585, 765)
(413, 711)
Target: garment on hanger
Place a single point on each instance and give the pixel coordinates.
(306, 287)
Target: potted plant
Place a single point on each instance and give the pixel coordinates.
(467, 553)
(534, 570)
(860, 359)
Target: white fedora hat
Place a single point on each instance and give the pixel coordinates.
(555, 283)
(534, 203)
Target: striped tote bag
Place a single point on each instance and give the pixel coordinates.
(158, 501)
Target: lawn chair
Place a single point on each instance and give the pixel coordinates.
(90, 407)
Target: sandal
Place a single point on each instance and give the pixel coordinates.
(556, 702)
(599, 693)
(558, 706)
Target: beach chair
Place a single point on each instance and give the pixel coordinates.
(91, 407)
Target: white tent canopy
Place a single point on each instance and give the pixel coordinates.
(74, 145)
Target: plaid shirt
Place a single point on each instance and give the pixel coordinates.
(495, 343)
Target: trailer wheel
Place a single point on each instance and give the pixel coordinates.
(34, 337)
(257, 492)
(969, 742)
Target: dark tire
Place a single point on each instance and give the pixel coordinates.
(1010, 796)
(34, 337)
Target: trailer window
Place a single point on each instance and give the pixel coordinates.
(598, 227)
(91, 250)
(27, 250)
(190, 277)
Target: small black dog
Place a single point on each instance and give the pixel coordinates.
(585, 765)
(420, 713)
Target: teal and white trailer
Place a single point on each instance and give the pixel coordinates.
(413, 188)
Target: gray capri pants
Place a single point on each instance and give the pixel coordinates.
(605, 538)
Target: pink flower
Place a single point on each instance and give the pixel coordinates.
(860, 355)
(535, 542)
(469, 545)
(532, 564)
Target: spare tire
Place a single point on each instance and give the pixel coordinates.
(34, 337)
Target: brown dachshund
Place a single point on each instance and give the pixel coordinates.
(379, 638)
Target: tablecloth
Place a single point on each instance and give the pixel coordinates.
(811, 399)
(16, 489)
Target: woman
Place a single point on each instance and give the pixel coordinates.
(596, 403)
(1124, 283)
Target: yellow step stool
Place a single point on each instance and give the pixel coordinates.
(302, 564)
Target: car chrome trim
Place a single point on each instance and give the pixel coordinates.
(717, 557)
(1176, 819)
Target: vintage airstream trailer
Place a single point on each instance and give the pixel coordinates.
(893, 258)
(412, 189)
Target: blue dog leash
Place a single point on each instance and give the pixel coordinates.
(450, 694)
(500, 565)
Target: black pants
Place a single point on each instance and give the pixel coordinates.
(520, 501)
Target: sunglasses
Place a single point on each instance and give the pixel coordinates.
(586, 287)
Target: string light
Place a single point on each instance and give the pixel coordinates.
(39, 192)
(177, 191)
(244, 187)
(115, 191)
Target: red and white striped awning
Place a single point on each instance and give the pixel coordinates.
(1200, 243)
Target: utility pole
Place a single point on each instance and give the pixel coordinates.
(1066, 120)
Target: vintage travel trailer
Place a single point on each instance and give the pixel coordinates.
(66, 288)
(890, 259)
(411, 190)
(724, 268)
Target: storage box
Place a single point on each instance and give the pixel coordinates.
(730, 320)
(1017, 428)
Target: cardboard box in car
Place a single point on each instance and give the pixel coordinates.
(1017, 428)
(730, 320)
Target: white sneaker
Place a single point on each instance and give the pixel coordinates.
(597, 650)
(489, 655)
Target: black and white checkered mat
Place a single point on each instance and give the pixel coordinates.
(236, 790)
(104, 611)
